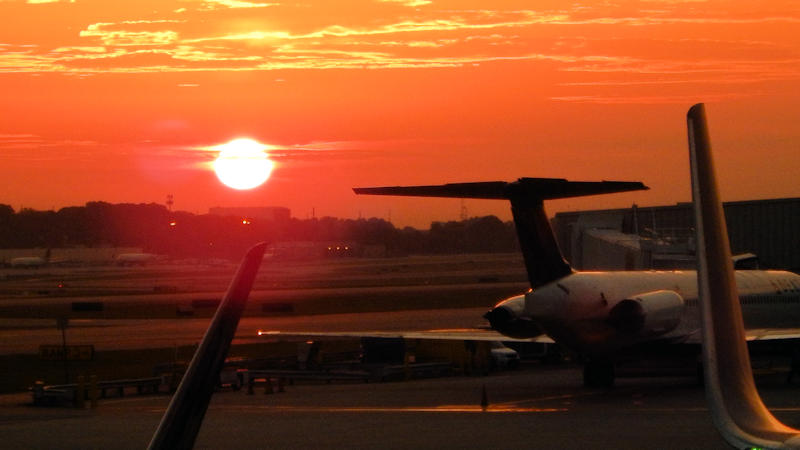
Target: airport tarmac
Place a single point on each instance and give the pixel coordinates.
(25, 335)
(540, 407)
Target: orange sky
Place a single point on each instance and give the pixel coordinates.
(114, 101)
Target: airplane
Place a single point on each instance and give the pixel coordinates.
(133, 259)
(608, 317)
(31, 262)
(28, 261)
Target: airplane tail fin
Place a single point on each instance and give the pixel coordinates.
(737, 409)
(543, 259)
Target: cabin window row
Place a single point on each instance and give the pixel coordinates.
(770, 300)
(759, 300)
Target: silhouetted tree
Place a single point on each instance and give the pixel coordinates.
(155, 229)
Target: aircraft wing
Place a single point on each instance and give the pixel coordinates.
(181, 421)
(753, 335)
(770, 334)
(736, 407)
(455, 334)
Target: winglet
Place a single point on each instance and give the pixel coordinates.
(737, 409)
(181, 422)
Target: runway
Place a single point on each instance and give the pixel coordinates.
(541, 406)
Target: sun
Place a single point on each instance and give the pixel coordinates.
(242, 164)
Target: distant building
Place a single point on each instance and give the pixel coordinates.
(272, 213)
(662, 237)
(63, 256)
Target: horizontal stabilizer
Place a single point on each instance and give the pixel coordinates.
(543, 259)
(532, 188)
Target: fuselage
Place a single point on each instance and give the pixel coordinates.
(593, 312)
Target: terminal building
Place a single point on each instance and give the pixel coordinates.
(662, 237)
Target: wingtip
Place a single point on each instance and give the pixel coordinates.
(256, 252)
(261, 246)
(697, 110)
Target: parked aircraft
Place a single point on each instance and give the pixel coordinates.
(135, 259)
(608, 316)
(31, 262)
(28, 261)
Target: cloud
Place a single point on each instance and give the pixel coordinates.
(110, 35)
(726, 67)
(233, 4)
(651, 99)
(520, 19)
(238, 36)
(11, 140)
(30, 148)
(409, 3)
(26, 141)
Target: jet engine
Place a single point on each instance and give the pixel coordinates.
(507, 318)
(649, 314)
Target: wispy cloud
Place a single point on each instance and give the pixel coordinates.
(25, 141)
(655, 66)
(9, 140)
(238, 35)
(651, 99)
(409, 3)
(404, 27)
(30, 148)
(234, 4)
(126, 33)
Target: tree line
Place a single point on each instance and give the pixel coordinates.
(156, 229)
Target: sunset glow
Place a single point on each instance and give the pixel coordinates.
(115, 101)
